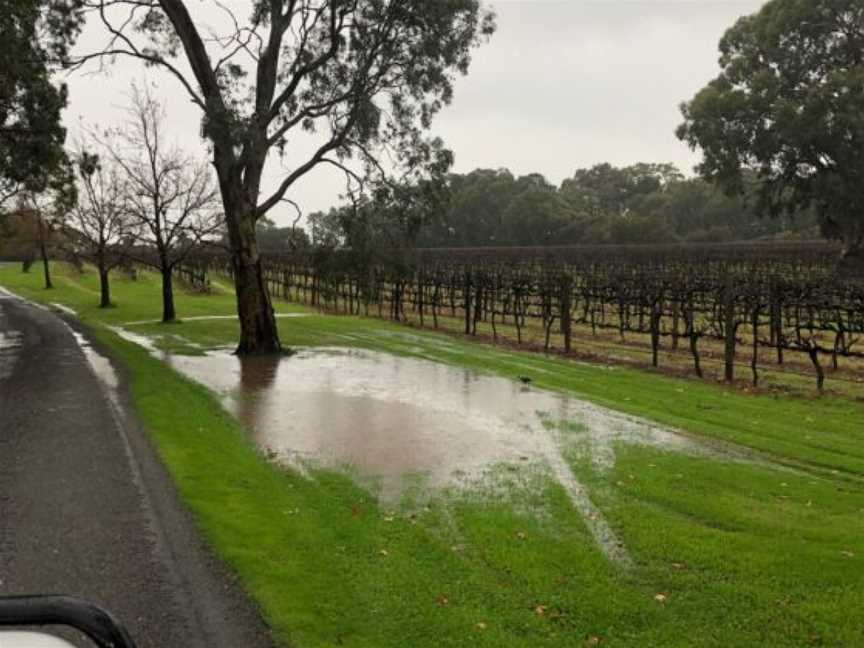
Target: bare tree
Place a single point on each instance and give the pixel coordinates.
(29, 231)
(171, 199)
(361, 78)
(43, 218)
(97, 227)
(39, 217)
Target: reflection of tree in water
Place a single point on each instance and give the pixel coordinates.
(257, 377)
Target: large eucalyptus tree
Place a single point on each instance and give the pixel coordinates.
(788, 108)
(357, 77)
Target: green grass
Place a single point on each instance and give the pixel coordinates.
(744, 553)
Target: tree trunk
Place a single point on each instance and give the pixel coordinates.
(754, 358)
(45, 264)
(813, 352)
(258, 333)
(656, 313)
(168, 313)
(104, 288)
(467, 303)
(729, 329)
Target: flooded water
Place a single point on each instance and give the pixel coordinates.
(388, 417)
(10, 341)
(64, 309)
(395, 422)
(203, 318)
(99, 364)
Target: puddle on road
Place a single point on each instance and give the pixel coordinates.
(392, 420)
(99, 364)
(10, 342)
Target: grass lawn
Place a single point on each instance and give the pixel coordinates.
(724, 553)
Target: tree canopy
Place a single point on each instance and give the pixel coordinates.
(34, 38)
(362, 79)
(788, 106)
(603, 204)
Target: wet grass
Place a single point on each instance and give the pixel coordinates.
(725, 553)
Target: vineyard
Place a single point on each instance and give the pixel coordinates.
(756, 304)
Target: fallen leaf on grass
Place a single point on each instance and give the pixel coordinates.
(679, 566)
(848, 554)
(521, 535)
(384, 552)
(480, 626)
(593, 640)
(442, 600)
(661, 598)
(540, 610)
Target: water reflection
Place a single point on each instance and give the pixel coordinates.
(392, 419)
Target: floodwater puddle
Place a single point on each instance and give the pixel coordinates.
(10, 342)
(64, 309)
(99, 364)
(391, 421)
(204, 318)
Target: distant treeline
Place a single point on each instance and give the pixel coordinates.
(643, 203)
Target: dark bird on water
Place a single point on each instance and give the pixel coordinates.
(525, 379)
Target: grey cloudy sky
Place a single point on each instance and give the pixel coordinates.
(561, 85)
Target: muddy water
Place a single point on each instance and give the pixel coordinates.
(388, 416)
(393, 421)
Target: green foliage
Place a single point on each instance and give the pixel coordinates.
(789, 106)
(745, 552)
(34, 39)
(363, 78)
(643, 203)
(272, 238)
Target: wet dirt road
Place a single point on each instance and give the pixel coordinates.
(86, 508)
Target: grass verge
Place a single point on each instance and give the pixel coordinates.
(724, 553)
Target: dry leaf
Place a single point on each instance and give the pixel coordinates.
(593, 640)
(442, 600)
(480, 625)
(384, 552)
(660, 598)
(848, 554)
(679, 565)
(521, 535)
(540, 610)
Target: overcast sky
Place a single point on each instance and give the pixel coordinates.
(561, 85)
